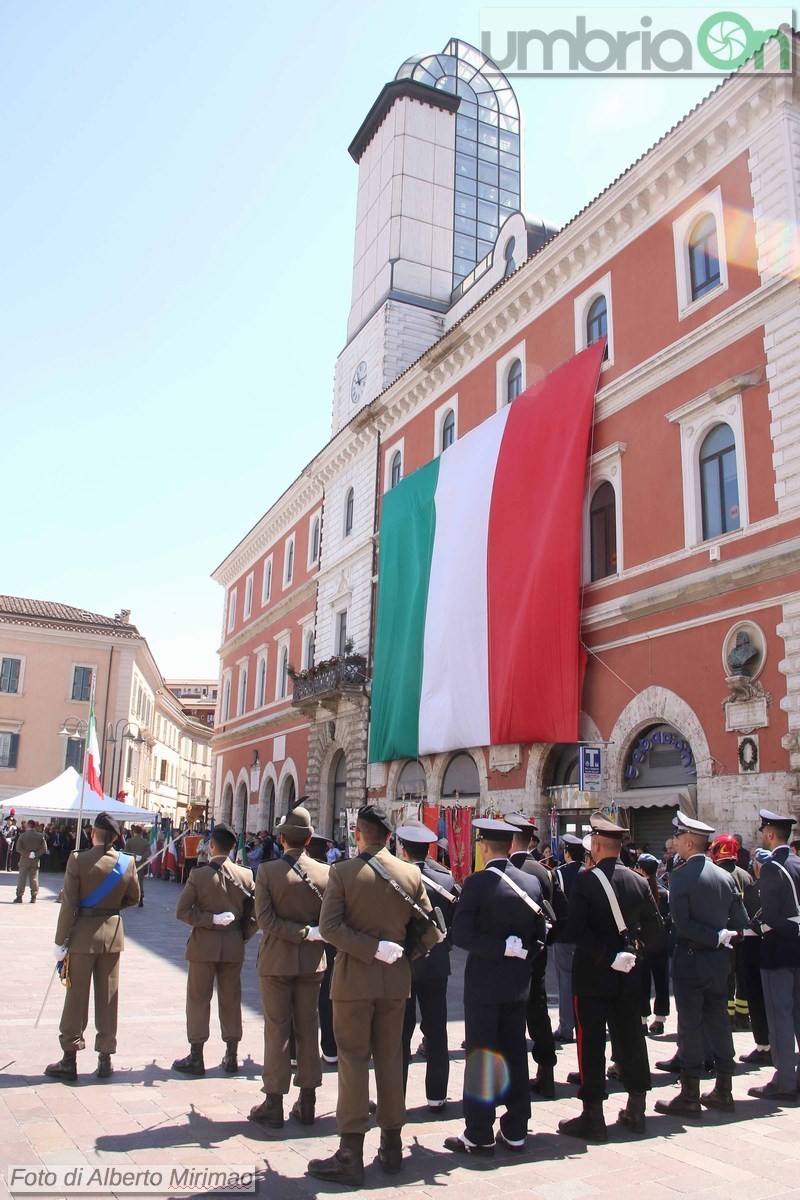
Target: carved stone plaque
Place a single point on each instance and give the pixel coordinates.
(504, 758)
(745, 715)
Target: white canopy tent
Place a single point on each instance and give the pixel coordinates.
(61, 797)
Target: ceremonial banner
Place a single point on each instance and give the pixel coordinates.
(477, 637)
(459, 842)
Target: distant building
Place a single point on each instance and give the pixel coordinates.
(197, 697)
(151, 750)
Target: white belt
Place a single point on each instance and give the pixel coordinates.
(750, 933)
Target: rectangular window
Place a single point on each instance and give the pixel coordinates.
(82, 683)
(248, 596)
(9, 744)
(74, 755)
(341, 632)
(242, 690)
(9, 674)
(231, 610)
(266, 586)
(163, 774)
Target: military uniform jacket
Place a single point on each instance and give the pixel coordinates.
(593, 930)
(139, 847)
(780, 945)
(359, 910)
(31, 842)
(285, 904)
(437, 964)
(523, 860)
(98, 930)
(489, 911)
(703, 899)
(209, 891)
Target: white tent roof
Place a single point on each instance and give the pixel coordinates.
(61, 798)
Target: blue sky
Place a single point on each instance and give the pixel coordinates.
(176, 225)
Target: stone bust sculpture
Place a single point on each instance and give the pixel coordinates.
(743, 658)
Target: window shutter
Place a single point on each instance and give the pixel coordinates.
(12, 750)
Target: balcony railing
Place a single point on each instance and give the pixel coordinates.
(329, 681)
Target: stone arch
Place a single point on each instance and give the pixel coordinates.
(439, 768)
(348, 733)
(655, 706)
(226, 806)
(241, 803)
(396, 770)
(326, 818)
(268, 798)
(287, 781)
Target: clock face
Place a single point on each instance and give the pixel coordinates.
(359, 382)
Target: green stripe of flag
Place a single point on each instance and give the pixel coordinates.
(406, 545)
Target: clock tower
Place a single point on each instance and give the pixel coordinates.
(438, 173)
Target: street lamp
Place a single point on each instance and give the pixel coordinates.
(73, 729)
(115, 735)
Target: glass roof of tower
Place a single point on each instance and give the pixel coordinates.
(487, 161)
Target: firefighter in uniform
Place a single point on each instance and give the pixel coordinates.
(214, 901)
(367, 918)
(290, 965)
(429, 975)
(89, 935)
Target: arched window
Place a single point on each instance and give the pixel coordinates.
(289, 560)
(703, 256)
(242, 690)
(261, 682)
(448, 429)
(461, 777)
(603, 532)
(309, 662)
(397, 469)
(339, 785)
(349, 508)
(597, 322)
(283, 672)
(411, 783)
(719, 483)
(314, 541)
(266, 814)
(514, 381)
(226, 698)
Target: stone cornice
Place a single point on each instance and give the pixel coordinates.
(283, 607)
(261, 725)
(299, 498)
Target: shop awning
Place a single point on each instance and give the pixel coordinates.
(684, 798)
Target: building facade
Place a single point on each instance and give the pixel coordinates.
(690, 617)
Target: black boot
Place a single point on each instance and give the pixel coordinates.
(104, 1067)
(721, 1095)
(18, 900)
(687, 1102)
(544, 1084)
(346, 1165)
(670, 1064)
(390, 1151)
(269, 1112)
(66, 1069)
(230, 1062)
(304, 1107)
(193, 1063)
(632, 1115)
(590, 1125)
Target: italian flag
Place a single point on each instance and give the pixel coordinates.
(477, 636)
(170, 857)
(91, 766)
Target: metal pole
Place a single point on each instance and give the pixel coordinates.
(85, 756)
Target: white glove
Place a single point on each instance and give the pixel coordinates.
(224, 918)
(388, 952)
(625, 962)
(59, 953)
(725, 937)
(32, 854)
(313, 934)
(514, 948)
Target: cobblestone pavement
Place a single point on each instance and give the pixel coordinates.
(146, 1115)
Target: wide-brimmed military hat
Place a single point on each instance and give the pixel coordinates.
(494, 831)
(376, 815)
(415, 831)
(780, 821)
(107, 823)
(223, 827)
(520, 822)
(684, 824)
(569, 839)
(604, 826)
(297, 821)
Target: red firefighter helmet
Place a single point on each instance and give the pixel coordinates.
(724, 847)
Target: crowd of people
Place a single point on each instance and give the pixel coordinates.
(355, 951)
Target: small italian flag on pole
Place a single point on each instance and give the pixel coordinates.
(91, 765)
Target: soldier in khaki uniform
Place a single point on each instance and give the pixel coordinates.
(97, 884)
(138, 846)
(366, 919)
(213, 902)
(291, 963)
(30, 847)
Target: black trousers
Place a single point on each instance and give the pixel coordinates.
(700, 982)
(622, 1016)
(538, 1017)
(327, 1040)
(655, 967)
(431, 996)
(496, 1071)
(751, 965)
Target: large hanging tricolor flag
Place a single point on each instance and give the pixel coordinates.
(477, 636)
(91, 762)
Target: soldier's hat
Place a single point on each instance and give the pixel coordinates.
(586, 841)
(520, 822)
(603, 825)
(107, 823)
(415, 831)
(376, 815)
(297, 821)
(684, 824)
(223, 827)
(495, 831)
(778, 821)
(569, 839)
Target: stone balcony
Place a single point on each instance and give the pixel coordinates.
(330, 685)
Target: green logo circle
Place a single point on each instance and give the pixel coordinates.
(726, 40)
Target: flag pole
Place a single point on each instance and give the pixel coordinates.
(85, 760)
